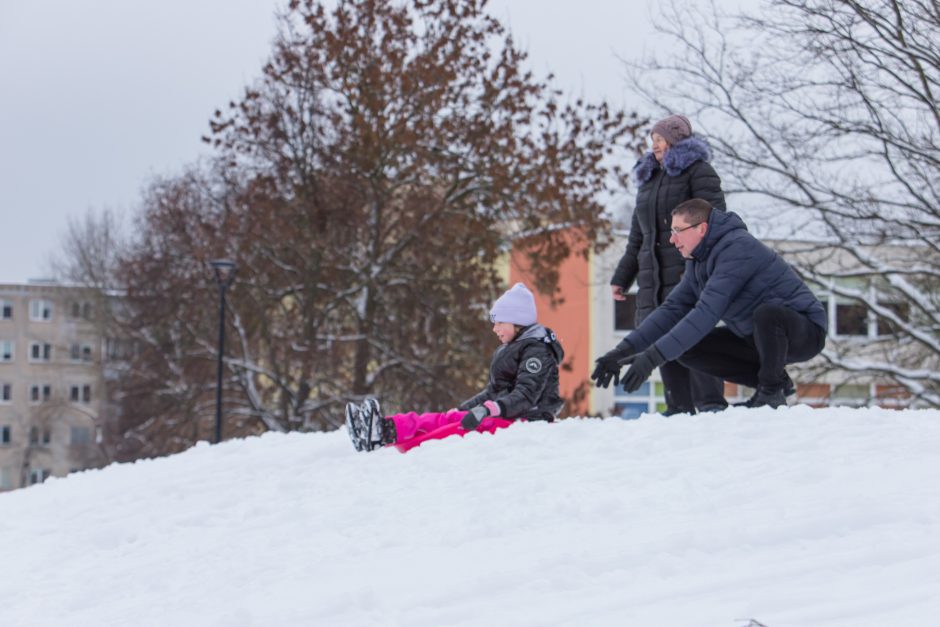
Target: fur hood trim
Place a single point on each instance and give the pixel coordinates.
(678, 159)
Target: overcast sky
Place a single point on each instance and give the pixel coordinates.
(97, 97)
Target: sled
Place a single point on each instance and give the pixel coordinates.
(489, 425)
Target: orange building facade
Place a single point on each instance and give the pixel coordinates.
(570, 319)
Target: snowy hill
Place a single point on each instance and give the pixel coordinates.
(793, 517)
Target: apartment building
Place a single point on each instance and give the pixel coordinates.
(51, 382)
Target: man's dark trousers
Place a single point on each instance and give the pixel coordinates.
(781, 336)
(688, 390)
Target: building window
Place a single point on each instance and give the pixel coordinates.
(6, 310)
(80, 436)
(39, 436)
(38, 475)
(850, 394)
(5, 434)
(40, 310)
(80, 393)
(40, 393)
(851, 319)
(884, 326)
(649, 398)
(119, 350)
(80, 352)
(6, 351)
(6, 392)
(79, 310)
(625, 313)
(631, 411)
(39, 351)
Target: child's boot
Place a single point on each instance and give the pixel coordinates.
(377, 429)
(354, 425)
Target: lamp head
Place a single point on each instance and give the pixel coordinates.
(224, 270)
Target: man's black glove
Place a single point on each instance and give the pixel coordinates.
(641, 368)
(608, 365)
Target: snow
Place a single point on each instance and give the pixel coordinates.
(791, 517)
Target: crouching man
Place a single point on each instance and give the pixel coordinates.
(771, 317)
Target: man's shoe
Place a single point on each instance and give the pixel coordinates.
(789, 389)
(712, 408)
(766, 397)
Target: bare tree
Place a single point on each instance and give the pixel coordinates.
(90, 249)
(367, 186)
(824, 118)
(90, 257)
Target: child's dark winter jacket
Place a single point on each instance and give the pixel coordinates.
(650, 258)
(524, 376)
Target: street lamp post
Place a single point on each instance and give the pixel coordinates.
(224, 270)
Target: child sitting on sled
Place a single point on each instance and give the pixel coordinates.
(523, 385)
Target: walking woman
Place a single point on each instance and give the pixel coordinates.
(675, 170)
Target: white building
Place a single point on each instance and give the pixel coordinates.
(51, 382)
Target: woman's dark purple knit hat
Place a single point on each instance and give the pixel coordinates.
(673, 129)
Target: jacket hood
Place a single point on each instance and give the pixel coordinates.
(538, 332)
(678, 158)
(720, 223)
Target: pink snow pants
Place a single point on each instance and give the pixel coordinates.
(412, 428)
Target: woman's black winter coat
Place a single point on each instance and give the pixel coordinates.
(650, 259)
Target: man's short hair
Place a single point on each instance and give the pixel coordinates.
(694, 210)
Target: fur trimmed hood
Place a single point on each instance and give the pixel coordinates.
(678, 158)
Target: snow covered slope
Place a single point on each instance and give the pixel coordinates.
(792, 517)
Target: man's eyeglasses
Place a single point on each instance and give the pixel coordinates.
(676, 231)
